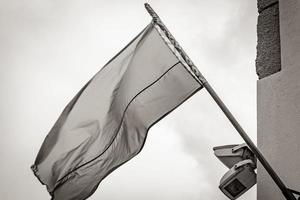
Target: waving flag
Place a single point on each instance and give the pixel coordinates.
(106, 123)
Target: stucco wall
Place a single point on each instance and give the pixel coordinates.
(278, 109)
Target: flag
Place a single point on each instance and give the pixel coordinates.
(107, 122)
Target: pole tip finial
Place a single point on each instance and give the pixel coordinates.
(147, 6)
(151, 11)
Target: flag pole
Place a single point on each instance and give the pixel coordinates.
(203, 82)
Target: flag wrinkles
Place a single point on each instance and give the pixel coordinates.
(107, 122)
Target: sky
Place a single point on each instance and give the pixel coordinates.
(50, 49)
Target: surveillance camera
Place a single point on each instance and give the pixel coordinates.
(229, 155)
(240, 178)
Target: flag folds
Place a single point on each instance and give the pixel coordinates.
(106, 123)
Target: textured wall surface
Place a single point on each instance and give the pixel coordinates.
(263, 4)
(268, 38)
(278, 109)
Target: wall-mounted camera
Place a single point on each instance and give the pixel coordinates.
(241, 163)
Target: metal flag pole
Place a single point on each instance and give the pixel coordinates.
(286, 192)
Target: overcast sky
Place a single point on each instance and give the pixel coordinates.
(50, 49)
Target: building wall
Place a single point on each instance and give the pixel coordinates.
(268, 59)
(278, 94)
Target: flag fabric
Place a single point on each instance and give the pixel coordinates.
(107, 122)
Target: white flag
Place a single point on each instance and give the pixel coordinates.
(106, 123)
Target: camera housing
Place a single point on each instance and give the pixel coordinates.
(239, 179)
(241, 162)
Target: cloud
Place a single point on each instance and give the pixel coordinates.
(229, 47)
